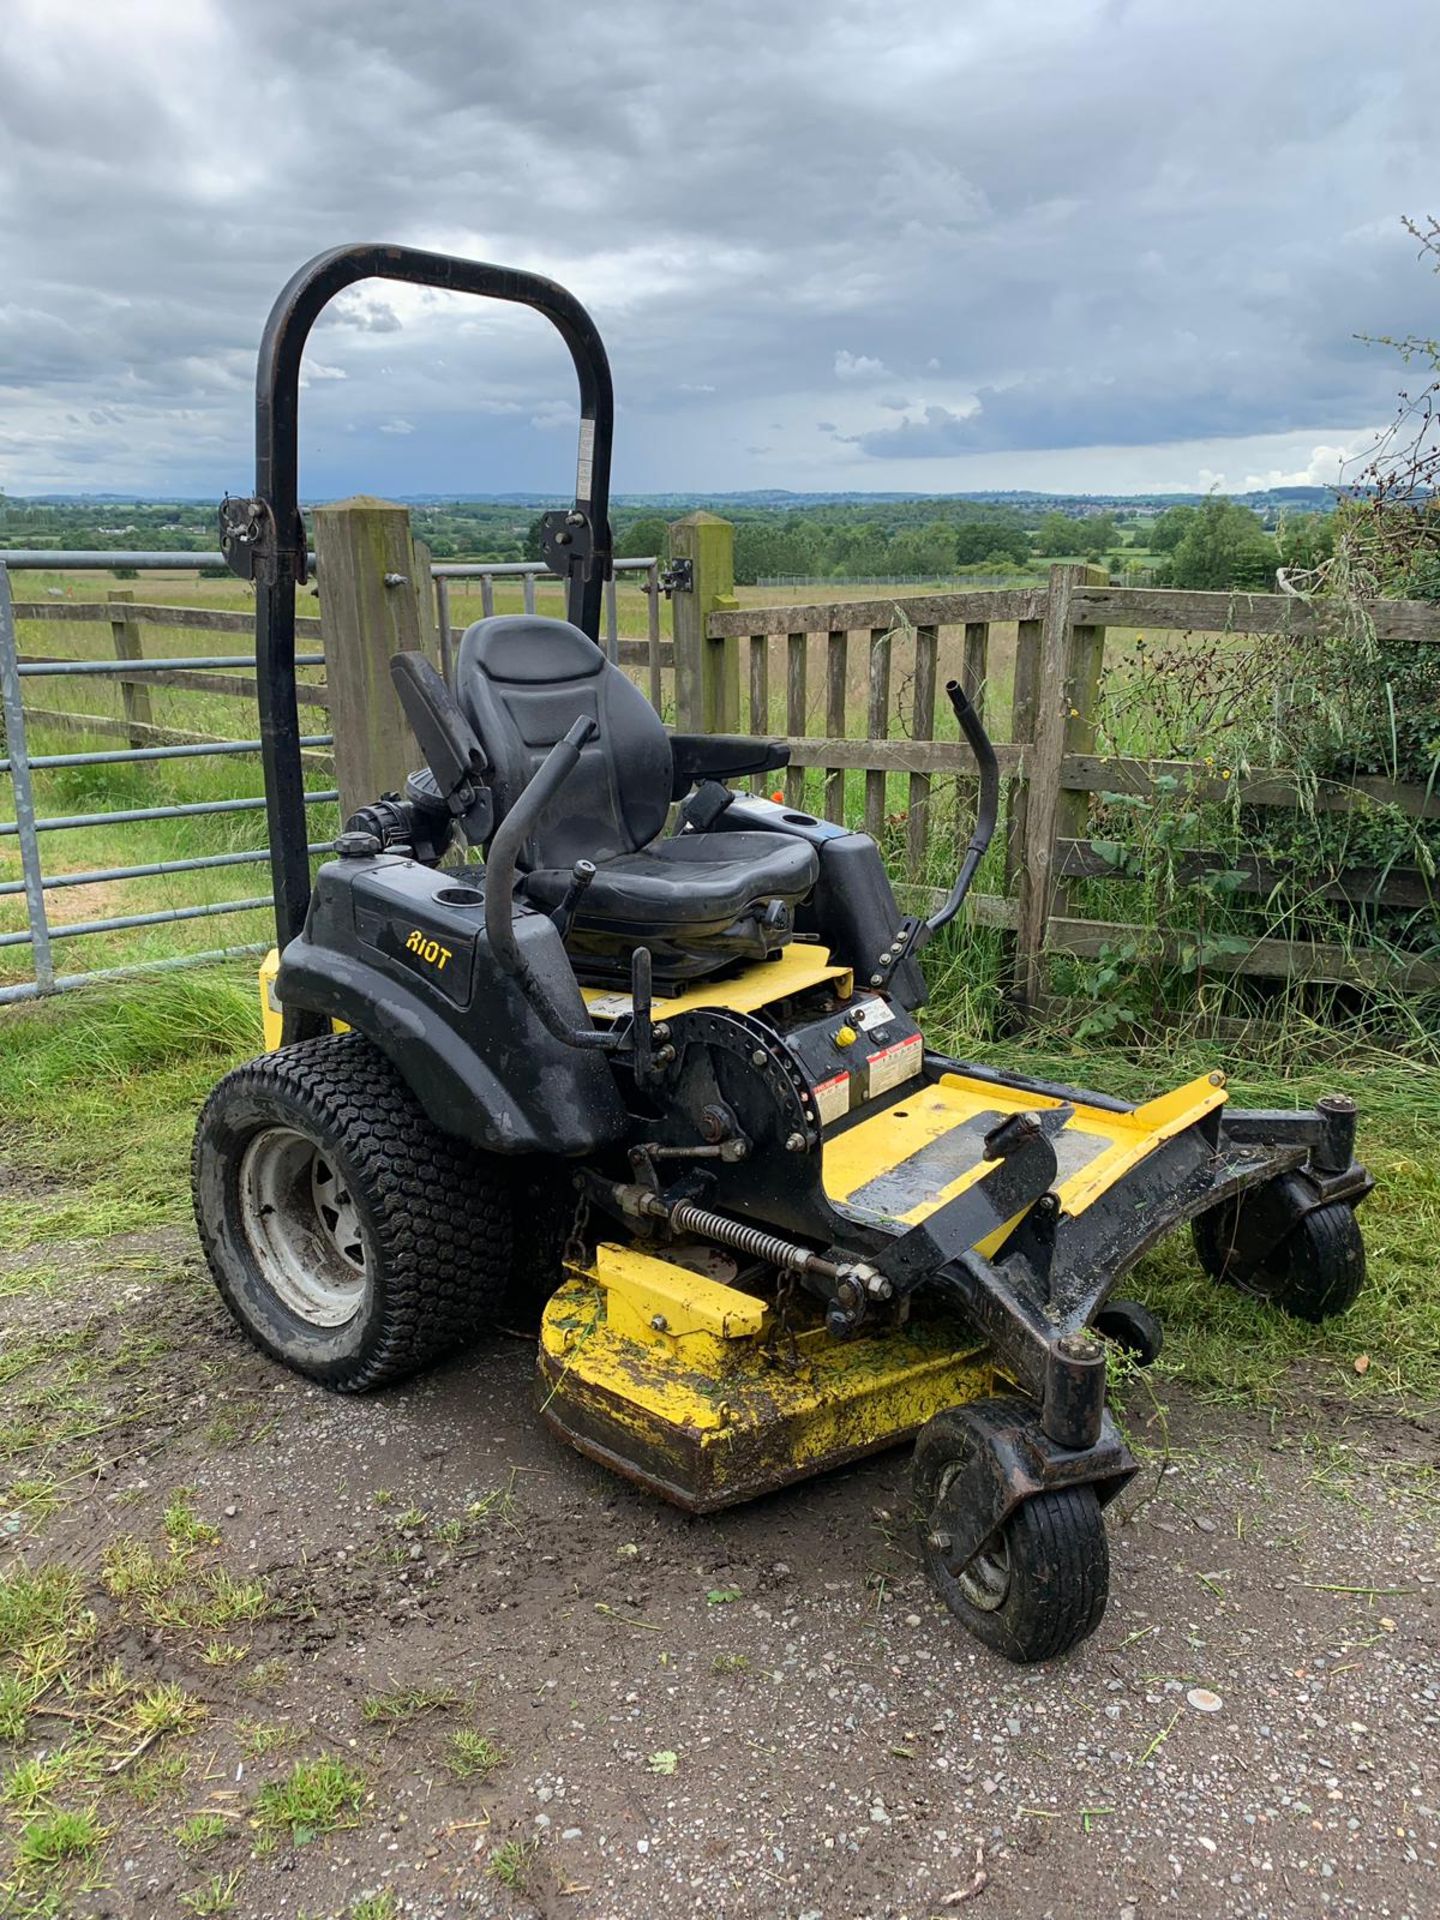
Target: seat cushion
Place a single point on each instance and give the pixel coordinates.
(694, 881)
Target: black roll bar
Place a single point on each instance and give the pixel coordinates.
(266, 537)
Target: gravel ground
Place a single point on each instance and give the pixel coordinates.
(764, 1713)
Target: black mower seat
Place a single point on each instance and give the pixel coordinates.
(692, 881)
(522, 681)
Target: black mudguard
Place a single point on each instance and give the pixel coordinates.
(398, 952)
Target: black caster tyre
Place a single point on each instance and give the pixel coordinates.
(1316, 1271)
(1133, 1327)
(350, 1238)
(1039, 1584)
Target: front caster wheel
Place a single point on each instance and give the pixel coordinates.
(1314, 1273)
(1132, 1327)
(349, 1237)
(1039, 1584)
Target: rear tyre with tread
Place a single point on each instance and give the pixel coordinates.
(348, 1236)
(1316, 1271)
(1040, 1583)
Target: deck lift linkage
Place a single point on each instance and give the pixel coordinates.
(671, 1085)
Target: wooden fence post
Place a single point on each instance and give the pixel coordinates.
(135, 696)
(374, 602)
(707, 672)
(1067, 655)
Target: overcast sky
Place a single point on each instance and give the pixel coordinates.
(1075, 244)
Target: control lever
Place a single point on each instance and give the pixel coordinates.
(914, 935)
(581, 875)
(642, 1031)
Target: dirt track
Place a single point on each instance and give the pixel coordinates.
(763, 1714)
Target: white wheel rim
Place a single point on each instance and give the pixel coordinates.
(303, 1227)
(985, 1580)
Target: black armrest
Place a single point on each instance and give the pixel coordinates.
(721, 756)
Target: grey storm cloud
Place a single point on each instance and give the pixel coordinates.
(874, 243)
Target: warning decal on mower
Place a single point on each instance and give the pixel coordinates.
(893, 1066)
(832, 1098)
(871, 1015)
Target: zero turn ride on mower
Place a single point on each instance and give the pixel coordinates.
(674, 1081)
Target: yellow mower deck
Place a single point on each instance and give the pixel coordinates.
(693, 1386)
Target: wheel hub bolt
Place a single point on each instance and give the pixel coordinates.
(795, 1143)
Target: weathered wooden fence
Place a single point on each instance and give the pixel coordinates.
(856, 687)
(883, 720)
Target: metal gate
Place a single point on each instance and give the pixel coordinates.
(29, 830)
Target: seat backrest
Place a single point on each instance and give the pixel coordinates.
(522, 682)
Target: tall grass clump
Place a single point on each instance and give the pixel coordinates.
(98, 1093)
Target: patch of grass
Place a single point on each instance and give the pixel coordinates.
(172, 1591)
(471, 1756)
(15, 1701)
(511, 1861)
(37, 1609)
(52, 1839)
(44, 1624)
(167, 1708)
(150, 1050)
(36, 1281)
(184, 1526)
(497, 1508)
(374, 1906)
(201, 1832)
(730, 1663)
(218, 1894)
(259, 1739)
(154, 1777)
(264, 1674)
(224, 1653)
(31, 1786)
(404, 1704)
(315, 1797)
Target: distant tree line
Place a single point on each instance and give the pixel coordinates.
(1216, 544)
(1219, 545)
